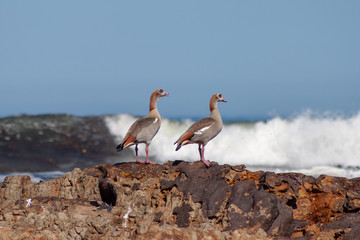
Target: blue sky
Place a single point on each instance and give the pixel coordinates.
(106, 57)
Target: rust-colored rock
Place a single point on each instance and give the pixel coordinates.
(179, 200)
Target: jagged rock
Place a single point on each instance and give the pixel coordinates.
(179, 200)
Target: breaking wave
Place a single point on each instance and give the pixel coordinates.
(308, 143)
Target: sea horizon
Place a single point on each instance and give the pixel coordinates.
(309, 143)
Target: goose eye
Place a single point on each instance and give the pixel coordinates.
(219, 95)
(161, 91)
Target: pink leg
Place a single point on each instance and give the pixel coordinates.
(207, 162)
(147, 156)
(136, 153)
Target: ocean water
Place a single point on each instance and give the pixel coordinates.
(312, 144)
(308, 143)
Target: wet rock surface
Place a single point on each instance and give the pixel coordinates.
(179, 200)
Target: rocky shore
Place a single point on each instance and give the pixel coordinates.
(179, 200)
(54, 142)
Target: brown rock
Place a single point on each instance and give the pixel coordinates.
(179, 201)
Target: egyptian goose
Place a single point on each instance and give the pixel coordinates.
(144, 129)
(202, 131)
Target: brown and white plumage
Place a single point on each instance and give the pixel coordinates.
(202, 131)
(144, 129)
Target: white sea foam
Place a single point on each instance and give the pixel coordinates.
(310, 144)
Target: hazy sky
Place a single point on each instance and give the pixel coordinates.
(105, 57)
